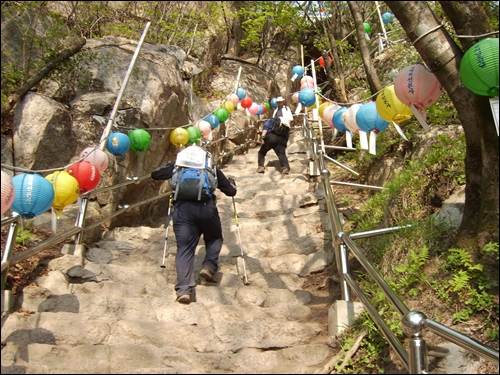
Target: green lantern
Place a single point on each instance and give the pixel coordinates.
(194, 134)
(367, 28)
(139, 140)
(267, 105)
(479, 68)
(221, 114)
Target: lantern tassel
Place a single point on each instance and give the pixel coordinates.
(363, 137)
(294, 77)
(335, 133)
(373, 142)
(54, 221)
(400, 131)
(348, 138)
(420, 116)
(367, 36)
(299, 108)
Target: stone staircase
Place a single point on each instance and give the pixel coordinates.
(113, 310)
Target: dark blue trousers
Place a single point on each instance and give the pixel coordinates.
(191, 220)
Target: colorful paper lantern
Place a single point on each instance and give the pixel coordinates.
(390, 108)
(260, 109)
(322, 61)
(246, 102)
(350, 118)
(254, 108)
(194, 134)
(368, 119)
(328, 112)
(307, 97)
(221, 114)
(179, 137)
(418, 86)
(66, 190)
(264, 109)
(274, 104)
(234, 98)
(241, 93)
(204, 127)
(8, 192)
(387, 18)
(306, 79)
(298, 71)
(87, 175)
(139, 140)
(33, 195)
(118, 143)
(295, 97)
(338, 120)
(479, 68)
(95, 156)
(213, 120)
(367, 28)
(268, 106)
(307, 85)
(228, 106)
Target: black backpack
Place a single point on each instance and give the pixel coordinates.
(278, 128)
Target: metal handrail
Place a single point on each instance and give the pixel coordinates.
(413, 322)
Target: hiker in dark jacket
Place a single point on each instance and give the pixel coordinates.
(192, 218)
(273, 141)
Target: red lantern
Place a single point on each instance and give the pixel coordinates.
(322, 61)
(247, 102)
(87, 175)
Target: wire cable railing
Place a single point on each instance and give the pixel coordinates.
(413, 322)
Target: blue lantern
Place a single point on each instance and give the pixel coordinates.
(241, 93)
(387, 18)
(261, 109)
(273, 103)
(307, 97)
(34, 195)
(298, 70)
(118, 143)
(338, 120)
(213, 120)
(368, 118)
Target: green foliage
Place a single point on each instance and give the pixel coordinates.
(25, 232)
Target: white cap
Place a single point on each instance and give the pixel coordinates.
(280, 99)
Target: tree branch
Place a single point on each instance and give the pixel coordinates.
(20, 92)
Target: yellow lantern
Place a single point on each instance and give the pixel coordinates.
(228, 105)
(179, 137)
(66, 190)
(390, 108)
(322, 107)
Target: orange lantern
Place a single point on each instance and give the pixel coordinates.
(247, 102)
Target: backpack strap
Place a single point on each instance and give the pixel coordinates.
(202, 180)
(180, 172)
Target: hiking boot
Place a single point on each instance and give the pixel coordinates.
(261, 169)
(184, 299)
(285, 171)
(208, 276)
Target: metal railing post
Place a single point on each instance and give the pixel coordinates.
(7, 255)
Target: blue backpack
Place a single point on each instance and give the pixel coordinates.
(196, 182)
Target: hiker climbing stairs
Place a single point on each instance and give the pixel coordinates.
(113, 310)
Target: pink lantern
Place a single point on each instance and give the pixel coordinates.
(295, 97)
(95, 156)
(350, 118)
(308, 85)
(328, 113)
(254, 108)
(205, 128)
(418, 88)
(234, 98)
(8, 192)
(306, 79)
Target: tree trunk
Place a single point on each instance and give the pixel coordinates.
(235, 31)
(20, 92)
(371, 73)
(338, 89)
(442, 56)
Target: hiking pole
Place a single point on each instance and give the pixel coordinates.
(167, 223)
(241, 248)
